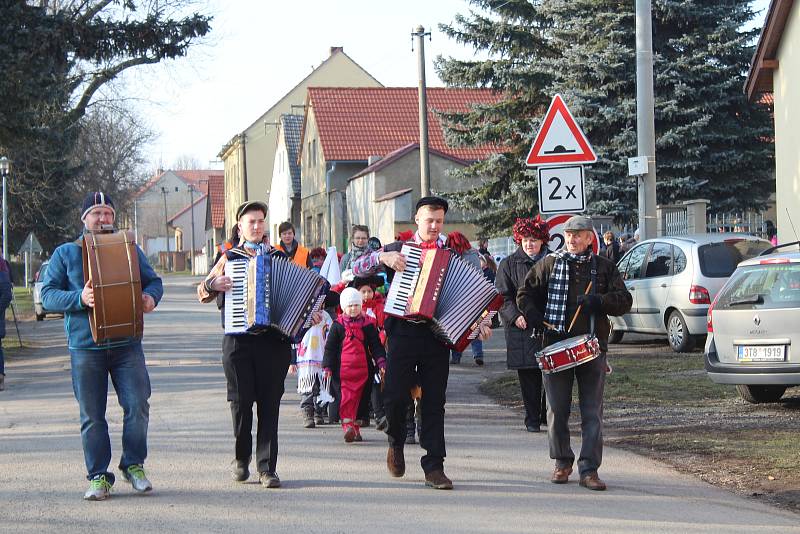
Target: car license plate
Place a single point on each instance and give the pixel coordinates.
(762, 353)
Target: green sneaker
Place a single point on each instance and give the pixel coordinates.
(99, 489)
(136, 476)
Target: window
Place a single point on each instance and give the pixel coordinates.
(633, 270)
(762, 287)
(309, 226)
(719, 260)
(679, 263)
(320, 224)
(314, 152)
(659, 263)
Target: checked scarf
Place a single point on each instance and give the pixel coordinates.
(555, 312)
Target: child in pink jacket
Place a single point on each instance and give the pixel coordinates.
(352, 350)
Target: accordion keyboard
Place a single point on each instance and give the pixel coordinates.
(236, 297)
(404, 282)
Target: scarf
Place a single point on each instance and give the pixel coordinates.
(555, 311)
(355, 253)
(439, 243)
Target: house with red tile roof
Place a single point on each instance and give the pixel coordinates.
(775, 69)
(214, 220)
(345, 127)
(249, 156)
(383, 195)
(164, 195)
(191, 219)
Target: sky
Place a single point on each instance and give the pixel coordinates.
(257, 51)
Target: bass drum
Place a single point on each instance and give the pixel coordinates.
(111, 264)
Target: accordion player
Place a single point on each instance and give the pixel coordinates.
(270, 292)
(440, 287)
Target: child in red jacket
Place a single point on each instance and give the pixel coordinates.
(353, 349)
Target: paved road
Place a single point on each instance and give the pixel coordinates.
(501, 472)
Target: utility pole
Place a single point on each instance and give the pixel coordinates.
(166, 228)
(424, 163)
(645, 121)
(191, 208)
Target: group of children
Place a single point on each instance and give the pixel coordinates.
(340, 362)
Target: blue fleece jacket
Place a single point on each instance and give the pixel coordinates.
(61, 292)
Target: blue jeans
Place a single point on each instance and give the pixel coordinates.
(2, 359)
(477, 351)
(90, 371)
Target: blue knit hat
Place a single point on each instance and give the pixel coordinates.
(96, 200)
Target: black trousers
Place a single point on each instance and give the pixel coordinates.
(533, 396)
(416, 348)
(255, 368)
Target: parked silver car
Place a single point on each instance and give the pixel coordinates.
(38, 278)
(753, 335)
(673, 280)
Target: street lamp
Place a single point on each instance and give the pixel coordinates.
(5, 170)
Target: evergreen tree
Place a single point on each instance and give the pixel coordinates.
(710, 142)
(55, 59)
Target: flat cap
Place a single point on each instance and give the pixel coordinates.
(577, 223)
(434, 202)
(251, 205)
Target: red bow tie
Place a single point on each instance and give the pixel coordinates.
(428, 244)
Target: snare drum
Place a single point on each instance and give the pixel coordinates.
(568, 353)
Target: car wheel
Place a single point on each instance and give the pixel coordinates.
(615, 336)
(40, 317)
(678, 333)
(757, 394)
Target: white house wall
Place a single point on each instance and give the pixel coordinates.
(786, 82)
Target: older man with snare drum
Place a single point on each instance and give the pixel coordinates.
(568, 293)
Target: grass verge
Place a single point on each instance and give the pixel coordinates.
(661, 404)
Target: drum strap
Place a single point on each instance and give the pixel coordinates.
(593, 274)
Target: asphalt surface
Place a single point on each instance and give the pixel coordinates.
(501, 473)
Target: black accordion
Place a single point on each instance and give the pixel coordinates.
(272, 293)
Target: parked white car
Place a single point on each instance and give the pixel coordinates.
(753, 334)
(38, 278)
(673, 281)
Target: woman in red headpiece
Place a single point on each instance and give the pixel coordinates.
(531, 235)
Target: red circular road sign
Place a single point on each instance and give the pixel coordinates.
(556, 226)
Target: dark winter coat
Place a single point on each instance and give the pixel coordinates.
(614, 296)
(340, 348)
(613, 252)
(520, 345)
(5, 297)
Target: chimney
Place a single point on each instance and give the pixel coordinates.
(373, 159)
(336, 49)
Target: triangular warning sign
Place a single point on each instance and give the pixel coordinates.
(560, 139)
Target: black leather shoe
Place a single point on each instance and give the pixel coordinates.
(241, 471)
(396, 461)
(438, 480)
(479, 362)
(533, 428)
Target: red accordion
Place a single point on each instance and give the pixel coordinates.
(440, 287)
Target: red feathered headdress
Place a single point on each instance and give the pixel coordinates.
(535, 228)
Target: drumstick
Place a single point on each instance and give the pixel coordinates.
(548, 325)
(578, 311)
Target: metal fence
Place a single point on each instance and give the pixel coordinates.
(748, 222)
(675, 222)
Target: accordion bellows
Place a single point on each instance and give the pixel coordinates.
(272, 293)
(439, 287)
